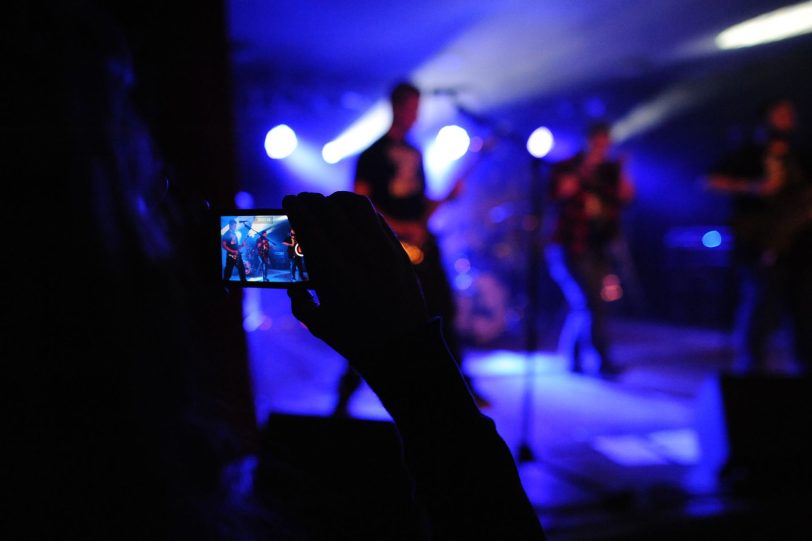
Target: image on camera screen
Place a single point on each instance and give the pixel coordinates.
(261, 250)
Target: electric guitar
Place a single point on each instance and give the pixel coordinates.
(788, 221)
(786, 210)
(414, 234)
(237, 254)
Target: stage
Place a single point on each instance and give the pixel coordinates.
(629, 458)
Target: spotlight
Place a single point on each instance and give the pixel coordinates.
(712, 239)
(244, 200)
(452, 142)
(540, 142)
(360, 135)
(783, 23)
(280, 142)
(331, 153)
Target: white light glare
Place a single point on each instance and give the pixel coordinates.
(540, 142)
(280, 142)
(787, 22)
(452, 142)
(449, 145)
(358, 136)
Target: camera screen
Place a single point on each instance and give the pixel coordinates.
(261, 250)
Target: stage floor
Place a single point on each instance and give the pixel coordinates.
(620, 459)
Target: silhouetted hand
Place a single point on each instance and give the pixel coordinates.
(368, 293)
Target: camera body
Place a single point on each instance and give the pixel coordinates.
(258, 248)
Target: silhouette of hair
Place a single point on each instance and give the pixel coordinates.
(402, 91)
(598, 128)
(767, 106)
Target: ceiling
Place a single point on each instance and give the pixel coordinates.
(489, 55)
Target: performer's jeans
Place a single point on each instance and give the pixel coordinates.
(297, 263)
(580, 278)
(229, 270)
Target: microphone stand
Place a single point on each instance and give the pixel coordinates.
(531, 334)
(534, 264)
(539, 171)
(259, 233)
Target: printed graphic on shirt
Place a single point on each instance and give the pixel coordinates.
(406, 181)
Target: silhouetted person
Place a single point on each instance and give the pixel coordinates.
(588, 193)
(390, 172)
(370, 309)
(233, 246)
(295, 255)
(264, 252)
(122, 427)
(117, 434)
(770, 181)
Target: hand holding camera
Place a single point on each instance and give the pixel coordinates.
(368, 293)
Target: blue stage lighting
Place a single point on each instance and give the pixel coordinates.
(540, 142)
(784, 23)
(280, 142)
(244, 200)
(712, 239)
(360, 135)
(452, 142)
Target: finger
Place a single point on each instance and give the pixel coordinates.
(305, 309)
(304, 211)
(393, 240)
(329, 243)
(359, 211)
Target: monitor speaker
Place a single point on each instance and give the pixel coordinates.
(756, 431)
(337, 478)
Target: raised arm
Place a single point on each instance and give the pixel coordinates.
(745, 175)
(371, 310)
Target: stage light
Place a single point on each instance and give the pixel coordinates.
(463, 281)
(360, 135)
(331, 153)
(540, 142)
(655, 112)
(452, 142)
(611, 289)
(280, 142)
(462, 265)
(712, 239)
(783, 23)
(244, 200)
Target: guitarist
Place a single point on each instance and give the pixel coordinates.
(770, 182)
(588, 193)
(390, 172)
(232, 245)
(264, 251)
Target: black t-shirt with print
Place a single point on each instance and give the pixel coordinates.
(394, 171)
